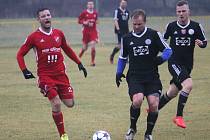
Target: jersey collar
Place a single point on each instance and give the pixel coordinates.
(123, 10)
(90, 11)
(183, 26)
(134, 34)
(40, 29)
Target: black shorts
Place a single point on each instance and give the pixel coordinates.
(179, 73)
(146, 87)
(119, 37)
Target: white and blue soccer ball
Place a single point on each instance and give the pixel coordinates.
(101, 135)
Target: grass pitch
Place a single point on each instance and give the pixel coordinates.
(26, 115)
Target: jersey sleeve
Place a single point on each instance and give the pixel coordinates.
(166, 34)
(81, 18)
(24, 49)
(116, 14)
(201, 33)
(163, 47)
(124, 49)
(68, 50)
(161, 42)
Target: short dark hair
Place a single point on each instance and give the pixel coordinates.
(139, 12)
(182, 2)
(40, 10)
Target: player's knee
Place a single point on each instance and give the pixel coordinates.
(137, 102)
(188, 87)
(153, 107)
(70, 104)
(56, 104)
(172, 95)
(85, 48)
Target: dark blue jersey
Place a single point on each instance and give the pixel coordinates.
(122, 16)
(142, 50)
(182, 41)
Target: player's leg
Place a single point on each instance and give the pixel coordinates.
(67, 95)
(56, 113)
(116, 48)
(187, 87)
(136, 96)
(83, 49)
(84, 42)
(137, 100)
(65, 90)
(93, 39)
(170, 94)
(186, 82)
(174, 87)
(153, 91)
(92, 45)
(48, 88)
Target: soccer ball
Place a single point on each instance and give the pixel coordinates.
(101, 135)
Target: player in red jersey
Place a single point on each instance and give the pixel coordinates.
(53, 82)
(89, 18)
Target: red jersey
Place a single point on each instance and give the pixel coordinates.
(91, 17)
(47, 48)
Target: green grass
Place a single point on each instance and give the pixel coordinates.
(26, 115)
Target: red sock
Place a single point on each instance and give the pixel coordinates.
(93, 54)
(81, 53)
(58, 119)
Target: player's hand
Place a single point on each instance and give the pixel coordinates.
(198, 42)
(118, 78)
(27, 74)
(81, 67)
(159, 60)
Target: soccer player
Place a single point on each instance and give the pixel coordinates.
(184, 35)
(121, 18)
(89, 18)
(142, 46)
(53, 82)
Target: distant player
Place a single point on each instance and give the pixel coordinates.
(53, 82)
(121, 28)
(184, 35)
(142, 46)
(89, 18)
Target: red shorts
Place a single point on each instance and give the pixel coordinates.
(89, 35)
(54, 85)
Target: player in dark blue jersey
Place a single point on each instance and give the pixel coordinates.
(184, 35)
(121, 18)
(142, 46)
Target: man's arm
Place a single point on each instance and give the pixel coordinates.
(25, 48)
(164, 48)
(81, 20)
(166, 34)
(20, 56)
(121, 63)
(201, 40)
(71, 54)
(116, 24)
